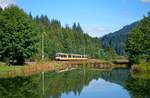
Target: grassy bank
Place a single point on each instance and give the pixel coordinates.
(9, 68)
(7, 71)
(141, 70)
(44, 66)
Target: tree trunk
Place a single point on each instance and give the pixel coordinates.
(20, 61)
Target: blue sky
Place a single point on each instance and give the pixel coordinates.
(97, 17)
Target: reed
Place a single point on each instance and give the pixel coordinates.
(62, 65)
(44, 66)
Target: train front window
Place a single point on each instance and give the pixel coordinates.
(63, 56)
(57, 55)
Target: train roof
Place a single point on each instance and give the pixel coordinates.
(59, 53)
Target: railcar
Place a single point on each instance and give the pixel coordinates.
(70, 57)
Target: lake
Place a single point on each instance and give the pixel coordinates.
(79, 83)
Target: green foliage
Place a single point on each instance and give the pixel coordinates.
(138, 44)
(17, 35)
(107, 54)
(141, 68)
(21, 37)
(65, 39)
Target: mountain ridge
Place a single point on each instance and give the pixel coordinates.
(116, 40)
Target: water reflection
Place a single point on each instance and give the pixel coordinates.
(139, 88)
(76, 84)
(67, 82)
(20, 87)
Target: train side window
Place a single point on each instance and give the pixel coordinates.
(61, 55)
(69, 56)
(65, 56)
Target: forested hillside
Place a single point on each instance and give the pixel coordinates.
(65, 39)
(117, 39)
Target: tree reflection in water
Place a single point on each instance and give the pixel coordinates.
(20, 87)
(73, 81)
(53, 85)
(139, 88)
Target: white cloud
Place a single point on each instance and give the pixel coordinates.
(96, 31)
(6, 3)
(146, 1)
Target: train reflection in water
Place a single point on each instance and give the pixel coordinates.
(70, 57)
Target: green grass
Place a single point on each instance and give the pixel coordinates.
(141, 75)
(8, 71)
(143, 67)
(141, 70)
(9, 68)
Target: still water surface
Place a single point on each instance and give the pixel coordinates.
(83, 83)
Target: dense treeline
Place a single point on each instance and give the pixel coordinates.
(138, 43)
(117, 39)
(21, 37)
(65, 39)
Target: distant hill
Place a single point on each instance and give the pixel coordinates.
(117, 39)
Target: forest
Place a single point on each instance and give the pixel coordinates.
(22, 35)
